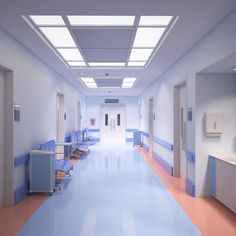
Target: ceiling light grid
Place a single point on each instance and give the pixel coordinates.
(149, 32)
(88, 82)
(56, 32)
(128, 82)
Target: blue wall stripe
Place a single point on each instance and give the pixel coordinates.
(144, 134)
(163, 143)
(22, 159)
(190, 187)
(129, 139)
(20, 193)
(163, 163)
(131, 130)
(93, 130)
(190, 156)
(95, 139)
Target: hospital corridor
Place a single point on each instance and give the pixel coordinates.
(117, 118)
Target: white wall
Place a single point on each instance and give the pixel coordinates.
(93, 105)
(35, 90)
(216, 45)
(1, 135)
(215, 93)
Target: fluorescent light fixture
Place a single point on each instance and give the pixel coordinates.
(234, 68)
(58, 36)
(154, 20)
(76, 63)
(87, 79)
(114, 87)
(147, 37)
(101, 20)
(91, 85)
(136, 63)
(47, 20)
(127, 85)
(70, 54)
(129, 80)
(140, 54)
(109, 64)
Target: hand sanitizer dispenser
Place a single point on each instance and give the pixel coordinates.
(214, 123)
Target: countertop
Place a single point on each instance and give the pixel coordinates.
(229, 158)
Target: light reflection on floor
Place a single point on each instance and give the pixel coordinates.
(112, 192)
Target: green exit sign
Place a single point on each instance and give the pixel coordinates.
(112, 100)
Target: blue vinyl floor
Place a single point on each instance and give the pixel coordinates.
(113, 192)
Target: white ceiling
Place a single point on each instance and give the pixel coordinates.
(196, 18)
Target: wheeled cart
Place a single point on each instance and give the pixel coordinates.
(42, 171)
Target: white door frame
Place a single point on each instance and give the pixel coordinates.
(79, 116)
(177, 142)
(60, 122)
(151, 116)
(8, 159)
(101, 120)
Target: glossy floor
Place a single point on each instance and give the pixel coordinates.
(210, 216)
(112, 192)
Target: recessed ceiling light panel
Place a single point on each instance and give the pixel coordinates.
(155, 20)
(101, 20)
(76, 63)
(70, 54)
(91, 85)
(87, 79)
(147, 37)
(107, 64)
(58, 36)
(136, 63)
(127, 85)
(129, 80)
(47, 20)
(140, 54)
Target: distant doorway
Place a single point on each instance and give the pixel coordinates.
(180, 130)
(2, 138)
(6, 138)
(113, 124)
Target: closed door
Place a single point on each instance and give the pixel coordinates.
(1, 136)
(151, 114)
(113, 124)
(60, 125)
(182, 129)
(79, 116)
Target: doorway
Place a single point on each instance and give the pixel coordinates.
(180, 130)
(113, 124)
(2, 102)
(151, 117)
(6, 137)
(60, 125)
(79, 116)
